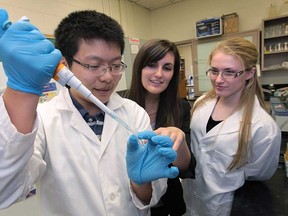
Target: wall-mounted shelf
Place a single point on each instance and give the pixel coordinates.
(275, 44)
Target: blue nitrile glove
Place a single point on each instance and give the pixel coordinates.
(4, 21)
(149, 163)
(29, 59)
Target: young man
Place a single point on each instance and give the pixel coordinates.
(81, 171)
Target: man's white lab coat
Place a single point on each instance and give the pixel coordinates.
(79, 175)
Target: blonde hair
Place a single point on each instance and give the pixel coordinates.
(247, 54)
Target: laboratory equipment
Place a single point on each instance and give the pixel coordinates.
(66, 78)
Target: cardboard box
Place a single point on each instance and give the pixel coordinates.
(230, 23)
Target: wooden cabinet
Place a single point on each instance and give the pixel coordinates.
(186, 87)
(182, 64)
(182, 80)
(275, 43)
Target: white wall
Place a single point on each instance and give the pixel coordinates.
(177, 21)
(46, 15)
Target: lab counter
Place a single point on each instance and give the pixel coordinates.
(263, 198)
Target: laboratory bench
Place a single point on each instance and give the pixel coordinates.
(265, 198)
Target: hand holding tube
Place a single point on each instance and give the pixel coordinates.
(149, 163)
(29, 59)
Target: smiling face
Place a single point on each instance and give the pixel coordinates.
(228, 89)
(156, 76)
(96, 52)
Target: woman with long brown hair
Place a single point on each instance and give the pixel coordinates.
(154, 86)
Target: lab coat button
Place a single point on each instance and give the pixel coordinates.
(203, 149)
(112, 197)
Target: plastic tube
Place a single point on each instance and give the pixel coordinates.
(65, 77)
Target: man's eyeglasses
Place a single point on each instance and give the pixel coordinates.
(100, 70)
(226, 75)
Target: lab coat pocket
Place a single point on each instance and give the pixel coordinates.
(219, 173)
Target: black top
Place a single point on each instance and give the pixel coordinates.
(211, 123)
(172, 202)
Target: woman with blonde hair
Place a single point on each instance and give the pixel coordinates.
(233, 138)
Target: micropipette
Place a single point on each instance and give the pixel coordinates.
(65, 77)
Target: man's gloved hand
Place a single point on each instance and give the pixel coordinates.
(4, 21)
(149, 163)
(29, 59)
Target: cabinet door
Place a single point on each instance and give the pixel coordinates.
(201, 51)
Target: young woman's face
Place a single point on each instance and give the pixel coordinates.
(156, 76)
(230, 87)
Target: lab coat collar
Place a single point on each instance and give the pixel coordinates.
(64, 102)
(230, 125)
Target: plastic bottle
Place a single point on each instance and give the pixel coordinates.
(272, 89)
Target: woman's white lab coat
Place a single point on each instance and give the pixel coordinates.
(211, 193)
(79, 175)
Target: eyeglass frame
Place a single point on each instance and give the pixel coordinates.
(236, 74)
(88, 66)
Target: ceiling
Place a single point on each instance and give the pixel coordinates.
(154, 4)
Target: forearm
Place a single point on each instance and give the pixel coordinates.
(143, 192)
(21, 108)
